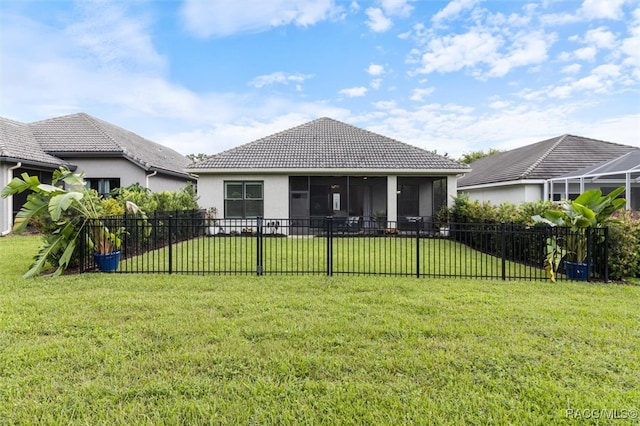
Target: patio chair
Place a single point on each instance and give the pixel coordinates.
(351, 225)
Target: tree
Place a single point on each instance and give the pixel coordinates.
(470, 157)
(66, 206)
(197, 157)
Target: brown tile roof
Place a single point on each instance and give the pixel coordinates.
(542, 160)
(327, 144)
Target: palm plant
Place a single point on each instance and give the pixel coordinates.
(67, 205)
(590, 210)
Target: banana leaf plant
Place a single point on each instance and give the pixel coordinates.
(66, 206)
(590, 210)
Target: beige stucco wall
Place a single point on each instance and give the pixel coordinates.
(276, 193)
(128, 172)
(515, 194)
(452, 189)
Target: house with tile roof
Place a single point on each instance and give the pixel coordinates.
(111, 156)
(327, 168)
(522, 174)
(19, 153)
(108, 155)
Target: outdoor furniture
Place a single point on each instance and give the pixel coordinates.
(351, 225)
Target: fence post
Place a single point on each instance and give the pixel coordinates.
(170, 244)
(125, 237)
(589, 240)
(83, 254)
(606, 254)
(503, 249)
(418, 227)
(329, 245)
(259, 247)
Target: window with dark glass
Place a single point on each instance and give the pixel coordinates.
(103, 186)
(439, 194)
(243, 200)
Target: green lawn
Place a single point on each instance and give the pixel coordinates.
(175, 349)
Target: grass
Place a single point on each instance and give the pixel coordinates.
(160, 349)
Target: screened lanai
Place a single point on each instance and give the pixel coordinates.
(622, 171)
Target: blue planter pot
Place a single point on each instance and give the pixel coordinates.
(577, 271)
(107, 262)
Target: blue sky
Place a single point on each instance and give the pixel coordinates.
(452, 76)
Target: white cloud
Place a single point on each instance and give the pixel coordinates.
(396, 7)
(457, 129)
(453, 9)
(601, 38)
(385, 105)
(453, 53)
(354, 92)
(599, 9)
(585, 54)
(589, 10)
(376, 83)
(526, 49)
(571, 69)
(219, 18)
(499, 104)
(375, 69)
(601, 80)
(109, 36)
(278, 78)
(418, 95)
(377, 21)
(631, 45)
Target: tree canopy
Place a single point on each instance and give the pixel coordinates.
(470, 157)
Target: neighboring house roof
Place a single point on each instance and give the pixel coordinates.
(613, 169)
(543, 160)
(81, 135)
(327, 144)
(17, 144)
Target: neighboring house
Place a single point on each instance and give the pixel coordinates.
(327, 168)
(520, 175)
(108, 155)
(606, 176)
(20, 153)
(111, 156)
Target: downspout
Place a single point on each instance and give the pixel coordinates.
(545, 190)
(10, 200)
(147, 178)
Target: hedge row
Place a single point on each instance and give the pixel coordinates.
(624, 236)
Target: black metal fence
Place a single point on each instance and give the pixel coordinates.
(188, 242)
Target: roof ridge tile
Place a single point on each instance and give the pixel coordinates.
(545, 155)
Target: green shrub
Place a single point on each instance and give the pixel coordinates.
(111, 207)
(184, 199)
(467, 211)
(624, 246)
